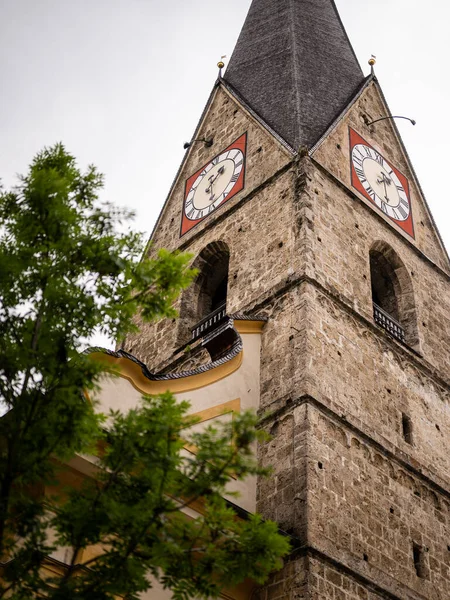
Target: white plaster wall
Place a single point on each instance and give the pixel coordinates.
(119, 394)
(157, 592)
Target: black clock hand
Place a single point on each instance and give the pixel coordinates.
(212, 180)
(385, 181)
(385, 189)
(209, 189)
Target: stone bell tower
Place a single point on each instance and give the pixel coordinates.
(302, 210)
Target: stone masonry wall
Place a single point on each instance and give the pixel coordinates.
(256, 224)
(308, 578)
(334, 153)
(346, 482)
(358, 370)
(341, 242)
(291, 583)
(282, 497)
(326, 582)
(314, 344)
(366, 510)
(356, 505)
(345, 228)
(259, 260)
(224, 122)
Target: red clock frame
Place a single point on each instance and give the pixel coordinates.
(239, 144)
(407, 225)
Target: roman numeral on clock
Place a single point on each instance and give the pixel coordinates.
(360, 173)
(402, 211)
(371, 193)
(209, 187)
(378, 182)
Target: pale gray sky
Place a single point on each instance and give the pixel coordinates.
(122, 84)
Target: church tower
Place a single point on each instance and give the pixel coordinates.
(302, 212)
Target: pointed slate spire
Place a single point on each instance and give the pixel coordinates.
(294, 65)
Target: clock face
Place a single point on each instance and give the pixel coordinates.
(214, 184)
(380, 182)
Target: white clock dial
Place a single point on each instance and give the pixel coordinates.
(380, 182)
(213, 184)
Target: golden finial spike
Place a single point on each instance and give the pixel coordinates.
(372, 63)
(221, 64)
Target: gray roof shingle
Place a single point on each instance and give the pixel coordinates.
(294, 65)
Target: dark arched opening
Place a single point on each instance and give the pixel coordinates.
(205, 300)
(392, 294)
(384, 284)
(219, 297)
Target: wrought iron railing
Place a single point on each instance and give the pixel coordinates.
(388, 323)
(210, 322)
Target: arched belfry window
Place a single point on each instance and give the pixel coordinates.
(392, 294)
(205, 300)
(385, 288)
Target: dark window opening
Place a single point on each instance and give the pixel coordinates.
(220, 295)
(407, 429)
(420, 563)
(213, 286)
(203, 304)
(393, 295)
(383, 288)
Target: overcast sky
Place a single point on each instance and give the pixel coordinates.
(122, 84)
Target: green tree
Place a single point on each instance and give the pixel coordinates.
(69, 268)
